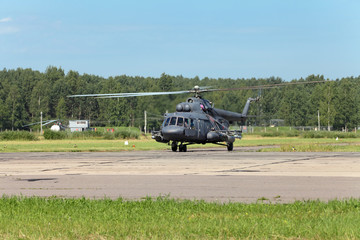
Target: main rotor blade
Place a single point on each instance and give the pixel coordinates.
(263, 86)
(118, 95)
(196, 90)
(142, 94)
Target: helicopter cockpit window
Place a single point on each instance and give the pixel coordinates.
(166, 122)
(180, 121)
(173, 121)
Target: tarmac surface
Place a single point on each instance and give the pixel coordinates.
(207, 174)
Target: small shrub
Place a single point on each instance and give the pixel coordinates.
(122, 134)
(51, 135)
(292, 133)
(327, 134)
(86, 135)
(309, 134)
(346, 135)
(270, 134)
(134, 134)
(17, 135)
(109, 136)
(126, 134)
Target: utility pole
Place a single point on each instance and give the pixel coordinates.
(40, 123)
(318, 120)
(145, 120)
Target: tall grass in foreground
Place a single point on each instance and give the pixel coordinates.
(163, 218)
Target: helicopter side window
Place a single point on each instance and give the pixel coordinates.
(192, 125)
(180, 121)
(173, 121)
(186, 123)
(166, 122)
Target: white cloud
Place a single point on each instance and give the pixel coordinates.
(3, 20)
(6, 29)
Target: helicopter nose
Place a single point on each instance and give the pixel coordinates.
(173, 133)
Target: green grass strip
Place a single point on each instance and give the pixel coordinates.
(286, 144)
(164, 218)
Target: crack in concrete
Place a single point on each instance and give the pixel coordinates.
(247, 169)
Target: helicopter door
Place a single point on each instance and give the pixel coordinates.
(191, 128)
(202, 129)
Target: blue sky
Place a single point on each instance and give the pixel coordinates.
(237, 39)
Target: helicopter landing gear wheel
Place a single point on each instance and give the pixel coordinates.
(174, 146)
(182, 148)
(230, 146)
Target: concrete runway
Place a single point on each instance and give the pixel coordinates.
(209, 174)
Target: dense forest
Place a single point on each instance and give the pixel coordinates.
(24, 93)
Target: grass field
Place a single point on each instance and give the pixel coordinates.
(163, 218)
(284, 144)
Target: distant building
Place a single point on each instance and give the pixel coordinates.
(78, 125)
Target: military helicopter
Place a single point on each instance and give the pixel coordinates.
(196, 121)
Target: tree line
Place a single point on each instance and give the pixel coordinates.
(24, 93)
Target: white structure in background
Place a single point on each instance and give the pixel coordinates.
(78, 125)
(55, 128)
